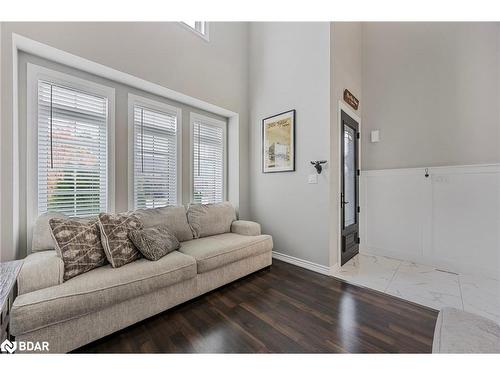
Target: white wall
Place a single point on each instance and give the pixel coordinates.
(163, 53)
(346, 60)
(433, 91)
(345, 64)
(290, 69)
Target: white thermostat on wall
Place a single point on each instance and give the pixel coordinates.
(375, 136)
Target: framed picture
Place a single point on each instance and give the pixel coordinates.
(278, 142)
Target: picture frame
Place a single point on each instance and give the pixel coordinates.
(278, 142)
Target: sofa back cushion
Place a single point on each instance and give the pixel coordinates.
(42, 237)
(173, 217)
(210, 219)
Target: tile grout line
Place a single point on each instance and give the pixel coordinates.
(393, 276)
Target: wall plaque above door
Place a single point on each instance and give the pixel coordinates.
(350, 99)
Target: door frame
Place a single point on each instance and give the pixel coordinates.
(356, 117)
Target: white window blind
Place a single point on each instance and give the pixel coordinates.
(155, 158)
(72, 150)
(208, 161)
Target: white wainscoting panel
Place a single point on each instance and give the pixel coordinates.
(450, 220)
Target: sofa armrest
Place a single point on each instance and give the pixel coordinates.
(245, 228)
(39, 271)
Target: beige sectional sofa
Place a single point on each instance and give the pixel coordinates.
(92, 305)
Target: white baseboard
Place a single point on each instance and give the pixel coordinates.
(311, 266)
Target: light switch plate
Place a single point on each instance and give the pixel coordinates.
(375, 136)
(312, 179)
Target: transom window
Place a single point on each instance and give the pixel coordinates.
(199, 27)
(155, 153)
(208, 151)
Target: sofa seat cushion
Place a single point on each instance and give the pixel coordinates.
(97, 289)
(216, 251)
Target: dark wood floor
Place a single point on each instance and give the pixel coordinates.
(285, 309)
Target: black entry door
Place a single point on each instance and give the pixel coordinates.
(349, 195)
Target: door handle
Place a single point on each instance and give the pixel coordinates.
(342, 201)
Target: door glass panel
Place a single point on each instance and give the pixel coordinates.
(349, 176)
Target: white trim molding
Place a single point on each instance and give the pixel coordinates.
(21, 43)
(311, 266)
(34, 74)
(193, 116)
(337, 207)
(161, 107)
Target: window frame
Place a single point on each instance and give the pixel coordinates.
(205, 36)
(193, 117)
(35, 73)
(155, 105)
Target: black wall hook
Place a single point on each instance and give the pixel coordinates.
(317, 165)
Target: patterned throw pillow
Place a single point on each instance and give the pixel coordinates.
(154, 243)
(79, 244)
(114, 235)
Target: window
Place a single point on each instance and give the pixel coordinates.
(72, 153)
(155, 161)
(199, 27)
(208, 150)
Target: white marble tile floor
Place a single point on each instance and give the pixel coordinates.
(424, 285)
